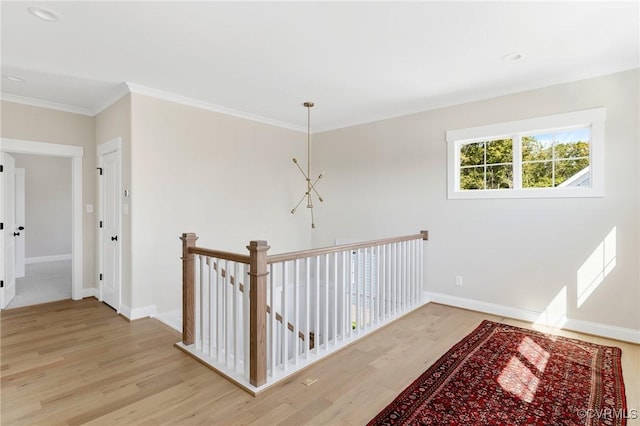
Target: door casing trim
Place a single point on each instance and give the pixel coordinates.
(76, 153)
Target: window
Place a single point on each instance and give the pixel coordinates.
(560, 155)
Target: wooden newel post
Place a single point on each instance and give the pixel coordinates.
(188, 288)
(258, 312)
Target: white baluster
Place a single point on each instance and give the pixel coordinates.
(344, 322)
(350, 267)
(236, 292)
(296, 311)
(198, 295)
(245, 322)
(377, 283)
(421, 263)
(283, 307)
(325, 340)
(335, 299)
(394, 269)
(307, 339)
(358, 280)
(272, 334)
(403, 276)
(219, 311)
(211, 303)
(227, 311)
(316, 325)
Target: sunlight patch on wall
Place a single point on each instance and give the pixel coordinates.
(555, 314)
(597, 266)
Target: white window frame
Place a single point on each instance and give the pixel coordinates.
(592, 118)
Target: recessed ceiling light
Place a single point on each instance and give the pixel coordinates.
(512, 57)
(44, 14)
(14, 78)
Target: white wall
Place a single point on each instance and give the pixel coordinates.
(47, 205)
(227, 179)
(33, 123)
(389, 178)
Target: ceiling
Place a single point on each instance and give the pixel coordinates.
(358, 61)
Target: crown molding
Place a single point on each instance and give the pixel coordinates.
(183, 100)
(114, 96)
(126, 88)
(45, 104)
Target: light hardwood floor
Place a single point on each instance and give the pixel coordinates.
(79, 363)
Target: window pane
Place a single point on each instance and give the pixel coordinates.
(572, 143)
(472, 178)
(500, 151)
(537, 175)
(537, 147)
(500, 177)
(472, 154)
(572, 172)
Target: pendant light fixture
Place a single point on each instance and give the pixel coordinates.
(311, 186)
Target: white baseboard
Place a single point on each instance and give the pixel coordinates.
(173, 319)
(598, 329)
(137, 313)
(42, 259)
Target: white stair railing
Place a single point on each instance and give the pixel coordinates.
(303, 305)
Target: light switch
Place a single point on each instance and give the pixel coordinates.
(89, 208)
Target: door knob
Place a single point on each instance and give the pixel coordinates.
(15, 234)
(114, 238)
(20, 228)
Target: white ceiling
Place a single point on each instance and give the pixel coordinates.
(358, 61)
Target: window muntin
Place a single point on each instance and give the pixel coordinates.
(559, 155)
(486, 165)
(553, 158)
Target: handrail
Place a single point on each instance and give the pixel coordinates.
(277, 258)
(224, 255)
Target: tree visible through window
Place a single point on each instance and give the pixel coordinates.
(550, 159)
(487, 165)
(559, 155)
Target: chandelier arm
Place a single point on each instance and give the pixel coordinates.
(300, 168)
(319, 196)
(314, 190)
(298, 205)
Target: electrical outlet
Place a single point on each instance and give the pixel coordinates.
(459, 280)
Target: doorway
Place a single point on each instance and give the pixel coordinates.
(43, 217)
(75, 154)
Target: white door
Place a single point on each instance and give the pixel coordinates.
(8, 210)
(20, 220)
(110, 222)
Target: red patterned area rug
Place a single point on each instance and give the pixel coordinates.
(505, 375)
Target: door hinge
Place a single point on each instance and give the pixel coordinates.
(1, 225)
(100, 224)
(1, 168)
(1, 283)
(99, 170)
(100, 277)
